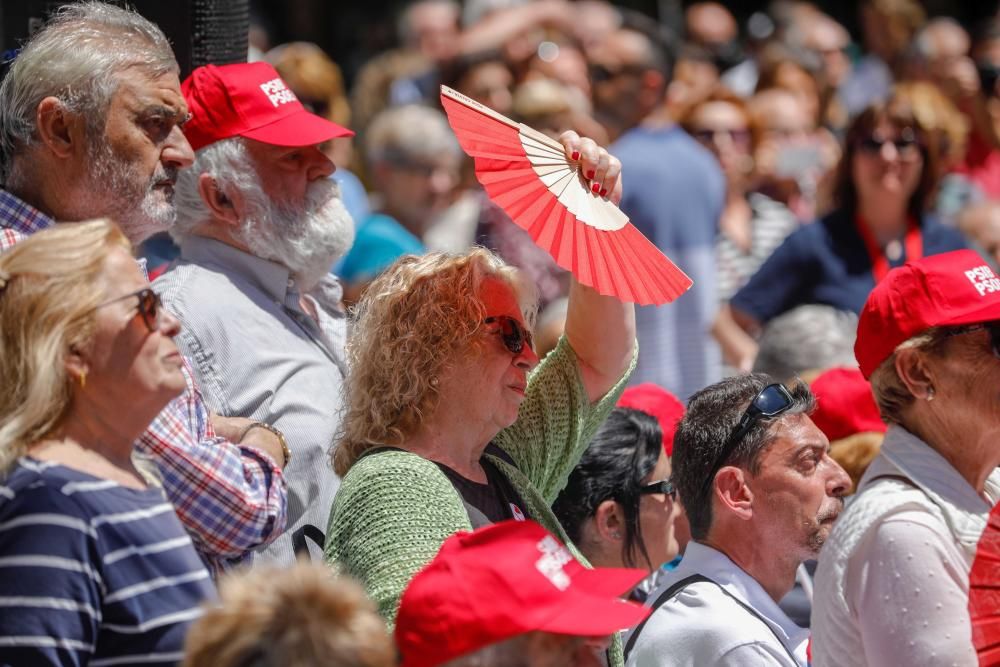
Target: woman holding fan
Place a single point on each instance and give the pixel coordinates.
(452, 422)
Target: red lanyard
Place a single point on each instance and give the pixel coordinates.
(913, 243)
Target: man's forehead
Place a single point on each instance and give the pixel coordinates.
(795, 432)
(139, 88)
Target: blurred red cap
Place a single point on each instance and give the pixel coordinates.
(844, 404)
(656, 401)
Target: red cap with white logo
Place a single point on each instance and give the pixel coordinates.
(949, 289)
(506, 580)
(250, 100)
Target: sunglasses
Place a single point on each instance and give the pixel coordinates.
(664, 486)
(708, 135)
(150, 306)
(772, 400)
(512, 333)
(992, 328)
(906, 146)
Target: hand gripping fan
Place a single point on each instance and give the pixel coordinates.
(984, 593)
(528, 175)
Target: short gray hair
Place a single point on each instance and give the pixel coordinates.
(409, 133)
(807, 338)
(229, 163)
(76, 58)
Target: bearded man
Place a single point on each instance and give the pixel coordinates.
(259, 224)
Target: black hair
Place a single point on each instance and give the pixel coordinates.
(621, 455)
(661, 43)
(711, 416)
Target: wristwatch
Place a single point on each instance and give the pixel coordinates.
(285, 451)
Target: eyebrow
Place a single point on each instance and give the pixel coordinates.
(177, 115)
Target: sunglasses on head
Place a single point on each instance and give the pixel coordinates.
(664, 486)
(773, 400)
(150, 306)
(992, 328)
(512, 333)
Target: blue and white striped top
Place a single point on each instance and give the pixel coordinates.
(92, 572)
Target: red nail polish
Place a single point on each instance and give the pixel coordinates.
(576, 155)
(604, 191)
(590, 174)
(595, 188)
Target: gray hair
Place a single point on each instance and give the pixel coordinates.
(76, 58)
(892, 396)
(807, 338)
(229, 163)
(409, 133)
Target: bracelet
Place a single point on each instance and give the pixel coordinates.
(285, 451)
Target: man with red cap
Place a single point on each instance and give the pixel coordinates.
(892, 586)
(259, 224)
(511, 594)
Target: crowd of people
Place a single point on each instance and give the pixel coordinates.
(283, 386)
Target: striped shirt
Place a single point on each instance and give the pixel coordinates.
(771, 222)
(230, 498)
(92, 572)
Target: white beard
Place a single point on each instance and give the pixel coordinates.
(306, 239)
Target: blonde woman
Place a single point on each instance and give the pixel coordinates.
(449, 425)
(94, 564)
(293, 617)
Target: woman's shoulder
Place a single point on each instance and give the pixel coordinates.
(391, 473)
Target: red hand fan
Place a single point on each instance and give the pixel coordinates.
(529, 176)
(984, 593)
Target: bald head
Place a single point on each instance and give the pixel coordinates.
(943, 38)
(710, 24)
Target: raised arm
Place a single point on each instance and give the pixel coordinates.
(601, 329)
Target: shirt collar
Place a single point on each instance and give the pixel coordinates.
(19, 215)
(270, 277)
(702, 559)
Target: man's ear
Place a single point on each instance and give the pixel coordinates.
(609, 520)
(912, 369)
(62, 132)
(731, 488)
(218, 202)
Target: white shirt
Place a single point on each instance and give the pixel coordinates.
(892, 584)
(703, 626)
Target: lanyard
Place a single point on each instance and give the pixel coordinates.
(913, 243)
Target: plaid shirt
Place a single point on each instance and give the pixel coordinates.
(230, 498)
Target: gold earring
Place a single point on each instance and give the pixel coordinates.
(83, 380)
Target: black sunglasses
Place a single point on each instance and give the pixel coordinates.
(992, 328)
(150, 306)
(906, 146)
(772, 400)
(664, 486)
(513, 335)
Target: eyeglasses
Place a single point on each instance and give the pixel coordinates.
(992, 328)
(772, 400)
(708, 135)
(513, 335)
(664, 486)
(906, 146)
(600, 73)
(150, 306)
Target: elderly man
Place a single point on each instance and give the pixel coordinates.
(90, 116)
(511, 594)
(761, 493)
(259, 225)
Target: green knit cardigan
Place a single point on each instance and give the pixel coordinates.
(394, 509)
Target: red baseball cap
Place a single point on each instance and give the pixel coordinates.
(844, 404)
(656, 401)
(949, 289)
(502, 581)
(250, 100)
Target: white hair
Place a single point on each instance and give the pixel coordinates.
(409, 133)
(807, 338)
(76, 58)
(306, 237)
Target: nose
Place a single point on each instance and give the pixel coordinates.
(527, 359)
(839, 482)
(320, 166)
(169, 325)
(177, 152)
(442, 180)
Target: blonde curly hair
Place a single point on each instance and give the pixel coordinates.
(410, 324)
(49, 289)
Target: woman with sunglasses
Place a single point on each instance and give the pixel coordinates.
(94, 563)
(449, 425)
(620, 507)
(884, 187)
(892, 587)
